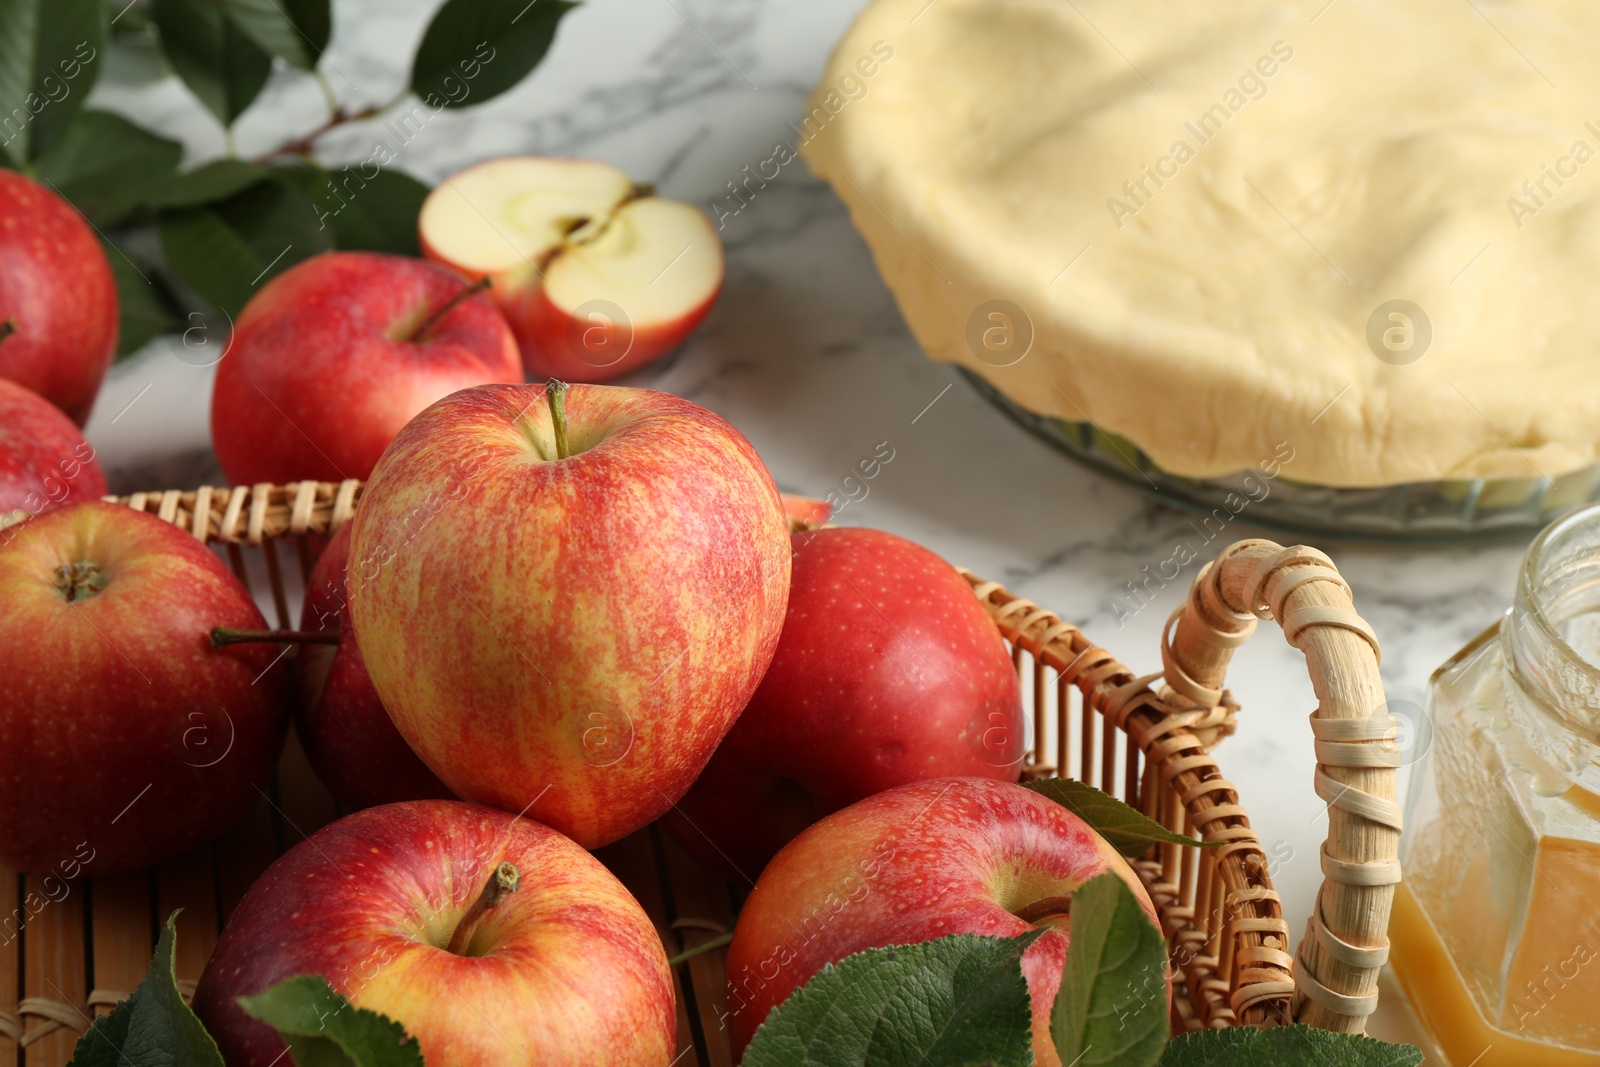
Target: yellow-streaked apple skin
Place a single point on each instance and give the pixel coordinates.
(348, 736)
(944, 856)
(570, 637)
(567, 971)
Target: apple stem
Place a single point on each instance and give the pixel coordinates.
(502, 884)
(8, 327)
(556, 392)
(303, 145)
(448, 306)
(701, 949)
(222, 636)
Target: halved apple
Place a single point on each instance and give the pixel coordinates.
(597, 275)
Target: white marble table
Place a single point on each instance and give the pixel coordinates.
(808, 356)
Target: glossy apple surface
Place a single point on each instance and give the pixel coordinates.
(888, 671)
(596, 275)
(120, 725)
(347, 735)
(56, 287)
(568, 636)
(946, 856)
(44, 459)
(326, 364)
(565, 971)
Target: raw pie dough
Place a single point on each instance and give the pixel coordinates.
(1225, 309)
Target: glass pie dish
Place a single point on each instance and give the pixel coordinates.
(1468, 509)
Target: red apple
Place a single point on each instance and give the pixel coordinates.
(57, 294)
(335, 354)
(565, 614)
(596, 275)
(347, 735)
(947, 856)
(44, 460)
(120, 725)
(888, 671)
(807, 509)
(392, 906)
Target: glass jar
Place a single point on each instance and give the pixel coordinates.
(1496, 931)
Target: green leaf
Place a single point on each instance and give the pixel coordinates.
(322, 1029)
(474, 50)
(369, 209)
(269, 25)
(314, 20)
(363, 207)
(135, 47)
(148, 309)
(227, 250)
(1112, 1007)
(50, 55)
(128, 19)
(1128, 831)
(153, 1026)
(107, 166)
(217, 180)
(957, 1000)
(1285, 1046)
(216, 59)
(101, 1045)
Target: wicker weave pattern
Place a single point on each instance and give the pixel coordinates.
(1345, 942)
(1222, 919)
(251, 514)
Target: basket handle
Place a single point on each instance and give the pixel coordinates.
(1337, 964)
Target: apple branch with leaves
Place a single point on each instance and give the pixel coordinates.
(186, 242)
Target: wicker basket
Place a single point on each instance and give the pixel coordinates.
(1144, 739)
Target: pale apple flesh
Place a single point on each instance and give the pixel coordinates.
(888, 671)
(595, 276)
(564, 971)
(326, 364)
(347, 735)
(945, 856)
(568, 636)
(507, 213)
(121, 728)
